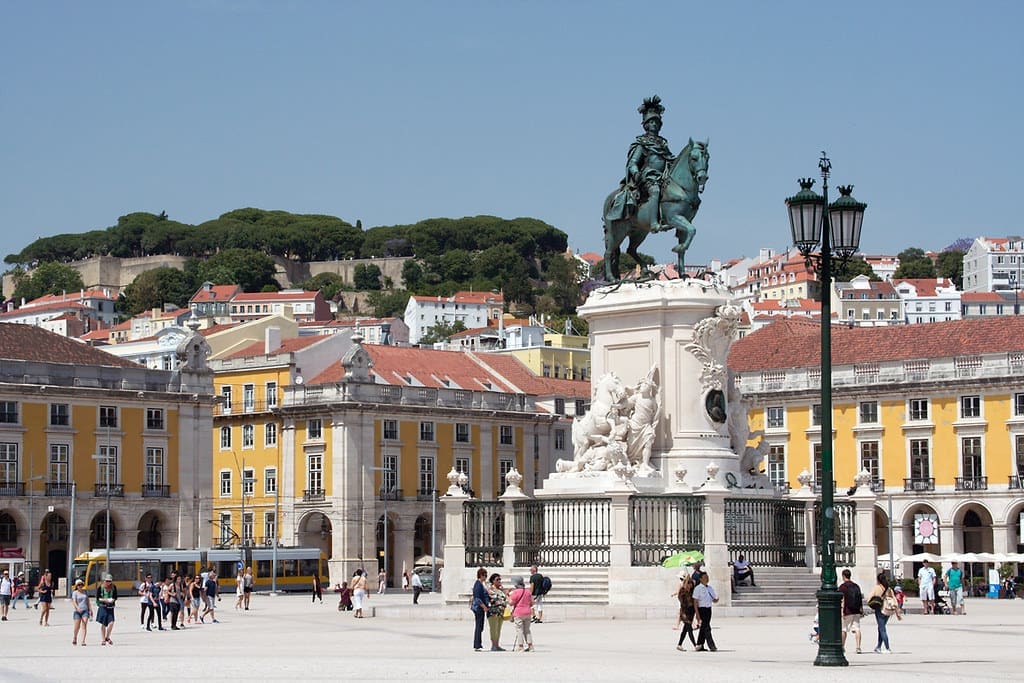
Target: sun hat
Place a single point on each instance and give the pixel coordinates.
(108, 577)
(79, 582)
(518, 582)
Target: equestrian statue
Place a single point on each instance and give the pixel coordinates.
(660, 192)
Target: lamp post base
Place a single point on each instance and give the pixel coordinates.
(830, 629)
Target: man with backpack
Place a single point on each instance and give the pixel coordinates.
(539, 587)
(853, 607)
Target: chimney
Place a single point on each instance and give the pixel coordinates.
(271, 340)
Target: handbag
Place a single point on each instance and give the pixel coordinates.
(875, 602)
(507, 614)
(889, 605)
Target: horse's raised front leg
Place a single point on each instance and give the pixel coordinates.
(613, 237)
(684, 234)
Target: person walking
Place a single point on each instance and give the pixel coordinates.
(405, 580)
(239, 589)
(211, 597)
(247, 588)
(687, 613)
(481, 599)
(45, 589)
(81, 612)
(106, 600)
(382, 582)
(853, 607)
(496, 610)
(195, 594)
(880, 595)
(146, 606)
(358, 592)
(704, 596)
(537, 594)
(417, 588)
(169, 594)
(521, 602)
(926, 587)
(955, 585)
(6, 591)
(318, 588)
(20, 591)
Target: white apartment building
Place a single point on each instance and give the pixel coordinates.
(473, 309)
(994, 264)
(929, 300)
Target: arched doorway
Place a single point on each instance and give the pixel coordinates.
(8, 529)
(150, 530)
(53, 544)
(316, 531)
(421, 536)
(389, 556)
(976, 527)
(98, 531)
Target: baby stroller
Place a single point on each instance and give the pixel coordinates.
(941, 606)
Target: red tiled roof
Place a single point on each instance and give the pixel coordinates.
(68, 297)
(425, 366)
(273, 296)
(214, 329)
(591, 257)
(794, 343)
(96, 335)
(218, 292)
(44, 308)
(981, 297)
(767, 305)
(31, 343)
(465, 298)
(287, 346)
(925, 286)
(516, 372)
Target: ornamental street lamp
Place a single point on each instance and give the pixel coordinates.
(840, 238)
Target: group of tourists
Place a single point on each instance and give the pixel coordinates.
(696, 597)
(494, 603)
(17, 588)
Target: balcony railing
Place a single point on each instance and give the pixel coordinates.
(244, 408)
(425, 494)
(919, 484)
(12, 488)
(116, 490)
(971, 483)
(816, 486)
(1015, 481)
(878, 485)
(59, 488)
(313, 496)
(156, 490)
(393, 494)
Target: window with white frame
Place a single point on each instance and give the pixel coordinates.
(426, 431)
(426, 479)
(248, 436)
(60, 463)
(505, 466)
(918, 409)
(225, 438)
(155, 419)
(225, 395)
(60, 415)
(559, 406)
(461, 432)
(248, 397)
(970, 449)
(390, 429)
(315, 473)
(1019, 456)
(108, 416)
(869, 458)
(154, 467)
(248, 481)
(271, 392)
(270, 434)
(9, 412)
(1018, 405)
(247, 527)
(868, 412)
(775, 417)
(920, 459)
(777, 464)
(269, 481)
(270, 526)
(818, 468)
(225, 483)
(106, 465)
(314, 429)
(816, 415)
(559, 439)
(970, 406)
(389, 476)
(462, 465)
(505, 435)
(8, 463)
(225, 528)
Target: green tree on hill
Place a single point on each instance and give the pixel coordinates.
(153, 288)
(47, 278)
(914, 263)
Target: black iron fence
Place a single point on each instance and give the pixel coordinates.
(563, 532)
(660, 526)
(483, 530)
(844, 532)
(768, 532)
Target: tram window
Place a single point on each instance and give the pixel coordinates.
(124, 571)
(225, 570)
(263, 567)
(309, 567)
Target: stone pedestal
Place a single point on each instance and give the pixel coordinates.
(678, 327)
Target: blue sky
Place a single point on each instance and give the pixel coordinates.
(392, 112)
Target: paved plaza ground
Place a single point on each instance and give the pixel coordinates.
(287, 638)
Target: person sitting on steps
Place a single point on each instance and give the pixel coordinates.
(741, 571)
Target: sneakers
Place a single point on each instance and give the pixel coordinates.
(700, 648)
(877, 650)
(680, 648)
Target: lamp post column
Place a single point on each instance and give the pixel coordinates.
(106, 466)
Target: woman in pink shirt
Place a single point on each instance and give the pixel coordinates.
(521, 603)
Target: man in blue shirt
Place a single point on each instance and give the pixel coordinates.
(703, 597)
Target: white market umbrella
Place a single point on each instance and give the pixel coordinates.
(921, 557)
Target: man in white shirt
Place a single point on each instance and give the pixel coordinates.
(6, 590)
(703, 597)
(417, 588)
(926, 587)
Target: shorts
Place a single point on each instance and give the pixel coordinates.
(105, 616)
(5, 600)
(47, 598)
(851, 623)
(538, 603)
(357, 598)
(927, 592)
(211, 601)
(248, 589)
(956, 596)
(196, 602)
(84, 614)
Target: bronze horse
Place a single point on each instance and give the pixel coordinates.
(680, 199)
